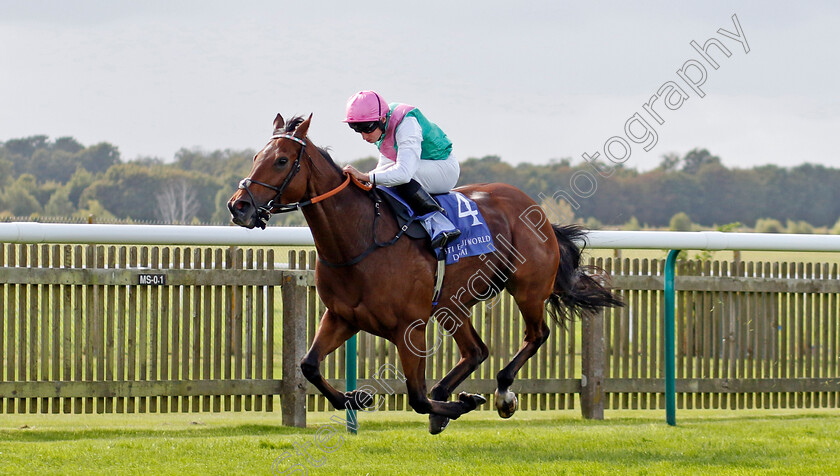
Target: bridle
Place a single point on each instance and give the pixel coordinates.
(274, 206)
(264, 212)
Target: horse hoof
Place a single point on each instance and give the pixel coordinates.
(472, 400)
(437, 423)
(359, 399)
(506, 403)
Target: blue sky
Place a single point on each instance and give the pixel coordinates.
(530, 82)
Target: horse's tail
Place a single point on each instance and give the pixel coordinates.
(577, 288)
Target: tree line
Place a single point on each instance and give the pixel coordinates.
(696, 184)
(42, 177)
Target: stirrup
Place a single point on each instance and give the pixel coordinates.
(444, 238)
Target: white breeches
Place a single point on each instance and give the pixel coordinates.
(438, 176)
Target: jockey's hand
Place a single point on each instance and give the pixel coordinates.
(349, 169)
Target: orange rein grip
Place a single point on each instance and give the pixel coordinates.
(341, 187)
(358, 183)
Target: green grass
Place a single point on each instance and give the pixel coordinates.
(559, 442)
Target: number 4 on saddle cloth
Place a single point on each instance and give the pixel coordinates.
(475, 236)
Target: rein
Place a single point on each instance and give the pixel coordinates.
(264, 212)
(377, 202)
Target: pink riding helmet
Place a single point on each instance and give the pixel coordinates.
(366, 106)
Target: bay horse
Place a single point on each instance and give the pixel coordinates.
(386, 287)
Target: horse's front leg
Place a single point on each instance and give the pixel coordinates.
(473, 353)
(412, 350)
(332, 332)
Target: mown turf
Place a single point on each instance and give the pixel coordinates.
(547, 443)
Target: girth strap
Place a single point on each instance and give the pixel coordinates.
(441, 270)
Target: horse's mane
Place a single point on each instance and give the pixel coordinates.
(290, 127)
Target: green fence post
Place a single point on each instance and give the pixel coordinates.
(670, 382)
(350, 383)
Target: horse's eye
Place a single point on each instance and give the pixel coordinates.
(282, 161)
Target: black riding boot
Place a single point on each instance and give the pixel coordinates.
(422, 203)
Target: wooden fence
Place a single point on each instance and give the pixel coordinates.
(161, 329)
(140, 329)
(749, 335)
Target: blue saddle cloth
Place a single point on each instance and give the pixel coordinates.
(475, 236)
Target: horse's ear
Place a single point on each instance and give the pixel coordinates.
(301, 130)
(278, 122)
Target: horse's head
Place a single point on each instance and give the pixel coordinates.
(275, 179)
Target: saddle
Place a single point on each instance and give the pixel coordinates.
(475, 236)
(403, 215)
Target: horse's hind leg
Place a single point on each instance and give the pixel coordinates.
(332, 332)
(473, 353)
(536, 333)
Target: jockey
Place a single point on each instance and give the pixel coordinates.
(415, 158)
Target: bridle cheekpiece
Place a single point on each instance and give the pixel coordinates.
(274, 206)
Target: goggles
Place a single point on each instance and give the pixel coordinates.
(364, 127)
